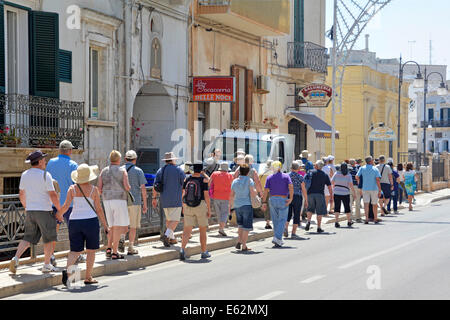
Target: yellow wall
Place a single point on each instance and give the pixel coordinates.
(369, 97)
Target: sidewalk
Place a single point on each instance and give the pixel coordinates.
(151, 251)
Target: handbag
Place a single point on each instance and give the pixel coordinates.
(130, 198)
(256, 200)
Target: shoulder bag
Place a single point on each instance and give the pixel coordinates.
(130, 198)
(159, 185)
(256, 200)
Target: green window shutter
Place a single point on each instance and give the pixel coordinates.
(65, 66)
(299, 21)
(2, 49)
(44, 54)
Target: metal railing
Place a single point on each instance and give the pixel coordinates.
(435, 123)
(214, 2)
(438, 170)
(417, 159)
(307, 55)
(30, 121)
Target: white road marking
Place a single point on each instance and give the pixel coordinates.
(270, 295)
(355, 262)
(312, 279)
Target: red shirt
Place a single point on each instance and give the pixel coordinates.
(221, 185)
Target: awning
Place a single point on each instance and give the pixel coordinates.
(322, 129)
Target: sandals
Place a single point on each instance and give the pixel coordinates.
(246, 249)
(90, 281)
(117, 256)
(108, 253)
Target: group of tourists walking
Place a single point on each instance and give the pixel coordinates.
(116, 197)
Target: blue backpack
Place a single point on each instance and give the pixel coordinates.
(308, 179)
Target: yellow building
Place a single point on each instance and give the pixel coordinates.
(370, 100)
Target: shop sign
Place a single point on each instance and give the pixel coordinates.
(316, 95)
(213, 89)
(382, 134)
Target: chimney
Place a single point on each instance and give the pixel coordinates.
(367, 42)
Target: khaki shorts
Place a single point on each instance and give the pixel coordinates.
(135, 216)
(196, 216)
(370, 197)
(40, 223)
(173, 214)
(116, 212)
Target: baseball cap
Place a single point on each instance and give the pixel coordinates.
(34, 156)
(131, 154)
(66, 144)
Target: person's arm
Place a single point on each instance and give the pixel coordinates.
(100, 184)
(305, 194)
(352, 188)
(264, 199)
(391, 181)
(208, 204)
(66, 205)
(258, 185)
(291, 195)
(126, 184)
(144, 198)
(379, 187)
(99, 210)
(231, 202)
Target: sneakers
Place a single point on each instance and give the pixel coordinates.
(49, 268)
(319, 230)
(308, 225)
(238, 246)
(13, 265)
(182, 255)
(268, 226)
(121, 245)
(349, 224)
(64, 277)
(165, 240)
(286, 233)
(294, 236)
(132, 251)
(206, 255)
(222, 233)
(53, 260)
(337, 225)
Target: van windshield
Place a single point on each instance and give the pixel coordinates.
(259, 149)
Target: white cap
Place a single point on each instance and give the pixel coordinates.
(66, 145)
(131, 154)
(330, 158)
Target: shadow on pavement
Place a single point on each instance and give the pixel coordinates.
(281, 248)
(297, 239)
(421, 222)
(322, 233)
(240, 252)
(197, 261)
(82, 289)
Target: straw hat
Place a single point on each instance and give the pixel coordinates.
(305, 154)
(169, 156)
(84, 174)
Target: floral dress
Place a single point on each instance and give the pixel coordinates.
(410, 182)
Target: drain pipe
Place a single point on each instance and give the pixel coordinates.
(128, 15)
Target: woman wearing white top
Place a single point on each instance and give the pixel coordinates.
(84, 220)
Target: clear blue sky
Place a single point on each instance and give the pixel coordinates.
(402, 21)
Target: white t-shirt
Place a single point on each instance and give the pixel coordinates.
(402, 175)
(36, 189)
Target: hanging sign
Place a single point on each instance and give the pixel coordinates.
(382, 134)
(316, 95)
(213, 89)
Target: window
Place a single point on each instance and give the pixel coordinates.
(242, 110)
(391, 149)
(65, 66)
(430, 114)
(11, 26)
(93, 82)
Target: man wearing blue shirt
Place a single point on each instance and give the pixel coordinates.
(308, 164)
(172, 178)
(371, 187)
(61, 168)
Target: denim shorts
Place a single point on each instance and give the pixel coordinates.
(244, 218)
(84, 231)
(317, 204)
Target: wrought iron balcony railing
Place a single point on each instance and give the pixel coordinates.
(30, 121)
(435, 123)
(307, 55)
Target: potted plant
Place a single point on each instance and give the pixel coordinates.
(9, 138)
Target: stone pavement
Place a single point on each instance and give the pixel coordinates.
(151, 251)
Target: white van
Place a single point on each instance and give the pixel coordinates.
(264, 147)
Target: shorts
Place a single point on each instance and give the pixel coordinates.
(370, 197)
(134, 212)
(40, 223)
(66, 215)
(173, 214)
(294, 209)
(196, 216)
(316, 204)
(345, 200)
(84, 232)
(117, 213)
(244, 218)
(221, 209)
(326, 191)
(386, 191)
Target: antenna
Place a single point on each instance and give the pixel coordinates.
(431, 52)
(411, 43)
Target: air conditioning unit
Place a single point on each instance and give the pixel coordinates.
(262, 85)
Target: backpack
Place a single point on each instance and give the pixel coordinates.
(308, 179)
(193, 193)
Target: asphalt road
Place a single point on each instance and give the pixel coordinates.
(407, 256)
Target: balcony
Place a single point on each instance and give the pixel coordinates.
(38, 122)
(436, 123)
(307, 55)
(268, 18)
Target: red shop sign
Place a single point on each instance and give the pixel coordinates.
(213, 89)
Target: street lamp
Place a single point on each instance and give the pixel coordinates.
(442, 91)
(418, 83)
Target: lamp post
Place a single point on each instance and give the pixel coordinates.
(442, 91)
(418, 83)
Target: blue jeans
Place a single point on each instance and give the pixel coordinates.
(393, 199)
(279, 213)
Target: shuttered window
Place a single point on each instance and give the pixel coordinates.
(44, 54)
(2, 49)
(65, 66)
(299, 18)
